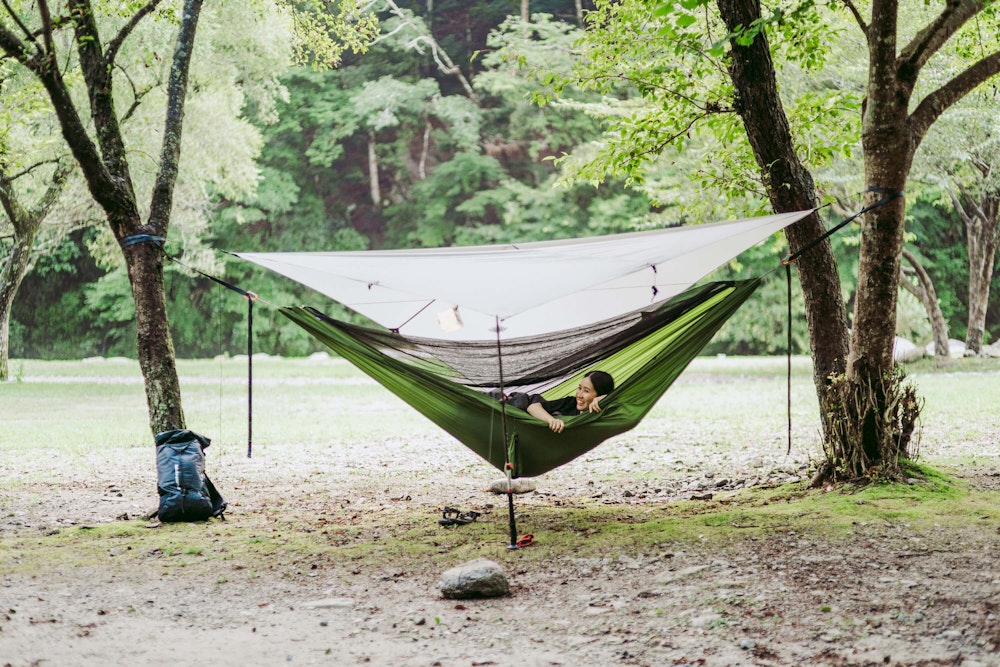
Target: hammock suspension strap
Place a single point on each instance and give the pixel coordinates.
(889, 195)
(249, 296)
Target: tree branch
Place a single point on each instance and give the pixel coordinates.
(25, 172)
(882, 35)
(73, 128)
(99, 82)
(56, 185)
(441, 58)
(936, 103)
(137, 96)
(928, 41)
(8, 200)
(43, 12)
(163, 190)
(15, 48)
(857, 15)
(115, 44)
(13, 15)
(924, 290)
(88, 46)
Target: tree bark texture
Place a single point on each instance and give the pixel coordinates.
(924, 290)
(790, 187)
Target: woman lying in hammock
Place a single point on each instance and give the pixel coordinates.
(594, 386)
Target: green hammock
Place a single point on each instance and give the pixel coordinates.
(447, 382)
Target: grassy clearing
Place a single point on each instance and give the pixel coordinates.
(67, 423)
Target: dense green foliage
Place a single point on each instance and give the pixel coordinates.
(459, 157)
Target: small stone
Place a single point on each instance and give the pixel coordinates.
(480, 578)
(748, 644)
(330, 603)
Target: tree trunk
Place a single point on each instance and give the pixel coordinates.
(525, 10)
(424, 151)
(883, 412)
(373, 172)
(924, 290)
(11, 275)
(154, 345)
(25, 223)
(982, 231)
(790, 188)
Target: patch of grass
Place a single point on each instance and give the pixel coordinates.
(393, 541)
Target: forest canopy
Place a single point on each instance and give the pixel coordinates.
(436, 136)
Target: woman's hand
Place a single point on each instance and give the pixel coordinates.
(538, 412)
(595, 405)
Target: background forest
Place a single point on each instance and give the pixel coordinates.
(434, 137)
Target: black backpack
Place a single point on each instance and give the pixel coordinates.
(186, 492)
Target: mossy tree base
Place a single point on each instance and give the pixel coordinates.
(873, 428)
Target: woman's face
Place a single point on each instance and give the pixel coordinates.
(585, 393)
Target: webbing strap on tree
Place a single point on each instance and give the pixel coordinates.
(889, 195)
(249, 296)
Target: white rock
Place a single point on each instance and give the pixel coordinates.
(956, 348)
(904, 350)
(480, 578)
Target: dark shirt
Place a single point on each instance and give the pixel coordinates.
(565, 407)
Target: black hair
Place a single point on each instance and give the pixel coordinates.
(603, 382)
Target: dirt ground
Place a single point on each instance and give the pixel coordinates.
(272, 585)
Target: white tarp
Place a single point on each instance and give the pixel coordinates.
(531, 288)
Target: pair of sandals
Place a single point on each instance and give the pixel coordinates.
(453, 517)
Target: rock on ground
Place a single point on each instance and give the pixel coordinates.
(480, 578)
